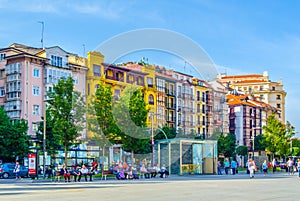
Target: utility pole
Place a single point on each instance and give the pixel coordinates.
(42, 39)
(44, 141)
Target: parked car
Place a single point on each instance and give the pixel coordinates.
(7, 170)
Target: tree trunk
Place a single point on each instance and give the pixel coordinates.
(103, 151)
(132, 157)
(66, 154)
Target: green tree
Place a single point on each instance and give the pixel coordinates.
(226, 145)
(67, 108)
(169, 131)
(295, 147)
(241, 150)
(259, 143)
(100, 120)
(14, 140)
(131, 115)
(278, 136)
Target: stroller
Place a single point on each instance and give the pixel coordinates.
(121, 175)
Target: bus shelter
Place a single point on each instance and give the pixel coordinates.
(187, 156)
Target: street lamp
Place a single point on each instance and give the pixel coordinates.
(44, 137)
(152, 138)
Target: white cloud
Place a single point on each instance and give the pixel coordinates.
(107, 10)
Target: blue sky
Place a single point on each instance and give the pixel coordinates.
(239, 36)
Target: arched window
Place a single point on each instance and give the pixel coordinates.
(151, 99)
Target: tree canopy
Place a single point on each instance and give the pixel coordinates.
(67, 109)
(131, 116)
(226, 145)
(278, 136)
(14, 141)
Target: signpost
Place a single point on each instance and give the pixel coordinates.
(32, 171)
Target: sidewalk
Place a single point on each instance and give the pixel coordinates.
(239, 176)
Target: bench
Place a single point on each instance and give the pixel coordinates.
(105, 173)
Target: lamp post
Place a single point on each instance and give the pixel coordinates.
(291, 147)
(152, 139)
(44, 137)
(44, 140)
(253, 145)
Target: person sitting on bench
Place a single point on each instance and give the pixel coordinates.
(65, 173)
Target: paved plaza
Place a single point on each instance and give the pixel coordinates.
(279, 187)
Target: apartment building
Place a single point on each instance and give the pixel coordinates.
(118, 77)
(27, 73)
(220, 107)
(246, 117)
(260, 86)
(203, 113)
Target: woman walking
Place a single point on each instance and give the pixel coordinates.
(251, 167)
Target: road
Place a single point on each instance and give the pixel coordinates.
(182, 188)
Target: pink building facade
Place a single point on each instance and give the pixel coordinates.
(27, 73)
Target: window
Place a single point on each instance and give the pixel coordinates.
(179, 91)
(171, 90)
(151, 99)
(119, 76)
(278, 106)
(150, 82)
(273, 89)
(96, 70)
(2, 56)
(117, 94)
(36, 110)
(75, 80)
(36, 90)
(56, 61)
(36, 72)
(35, 127)
(2, 91)
(2, 73)
(198, 95)
(140, 80)
(278, 97)
(261, 97)
(109, 73)
(130, 79)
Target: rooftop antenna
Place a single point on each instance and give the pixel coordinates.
(83, 45)
(42, 40)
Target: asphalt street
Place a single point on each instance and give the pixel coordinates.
(280, 186)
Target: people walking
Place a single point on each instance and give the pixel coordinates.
(233, 166)
(219, 168)
(226, 165)
(17, 171)
(274, 165)
(290, 165)
(251, 167)
(264, 167)
(298, 166)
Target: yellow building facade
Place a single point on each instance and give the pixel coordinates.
(118, 77)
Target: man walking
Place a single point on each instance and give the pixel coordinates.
(233, 166)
